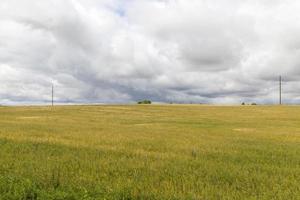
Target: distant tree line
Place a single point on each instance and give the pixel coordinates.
(253, 104)
(144, 102)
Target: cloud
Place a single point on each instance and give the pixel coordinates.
(114, 51)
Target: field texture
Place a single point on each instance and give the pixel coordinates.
(150, 152)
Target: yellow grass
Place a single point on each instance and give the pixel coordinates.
(150, 152)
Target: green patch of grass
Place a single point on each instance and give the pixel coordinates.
(150, 152)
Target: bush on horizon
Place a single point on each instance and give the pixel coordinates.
(145, 102)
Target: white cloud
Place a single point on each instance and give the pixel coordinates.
(172, 50)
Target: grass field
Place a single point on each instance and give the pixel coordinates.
(150, 152)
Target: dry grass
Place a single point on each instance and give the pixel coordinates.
(150, 152)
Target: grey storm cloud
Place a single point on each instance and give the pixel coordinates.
(117, 51)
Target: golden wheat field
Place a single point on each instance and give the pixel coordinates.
(150, 152)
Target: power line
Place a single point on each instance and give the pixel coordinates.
(52, 95)
(280, 90)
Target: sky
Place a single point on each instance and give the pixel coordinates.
(122, 51)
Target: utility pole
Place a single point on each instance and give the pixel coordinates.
(52, 94)
(280, 90)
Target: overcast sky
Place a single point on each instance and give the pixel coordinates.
(119, 51)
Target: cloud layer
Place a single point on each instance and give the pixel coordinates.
(116, 51)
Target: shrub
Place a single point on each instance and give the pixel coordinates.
(145, 102)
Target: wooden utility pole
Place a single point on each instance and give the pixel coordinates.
(280, 90)
(52, 95)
